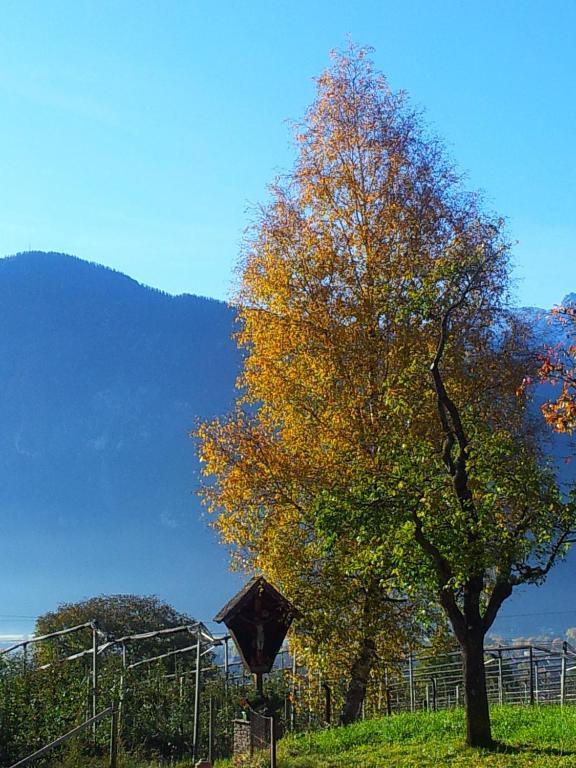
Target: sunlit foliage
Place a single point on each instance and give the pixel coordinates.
(379, 431)
(559, 368)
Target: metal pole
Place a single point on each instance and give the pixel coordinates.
(226, 676)
(196, 735)
(319, 689)
(536, 682)
(411, 680)
(387, 689)
(531, 659)
(120, 704)
(210, 726)
(293, 703)
(327, 703)
(114, 737)
(94, 674)
(226, 667)
(309, 701)
(563, 674)
(500, 680)
(60, 740)
(272, 744)
(181, 704)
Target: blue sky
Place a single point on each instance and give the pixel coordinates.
(136, 134)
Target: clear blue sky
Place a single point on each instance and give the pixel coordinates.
(136, 133)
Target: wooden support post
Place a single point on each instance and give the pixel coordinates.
(259, 681)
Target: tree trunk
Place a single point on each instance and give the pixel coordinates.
(358, 681)
(478, 731)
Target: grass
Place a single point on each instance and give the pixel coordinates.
(535, 737)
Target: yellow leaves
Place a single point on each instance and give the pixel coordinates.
(346, 276)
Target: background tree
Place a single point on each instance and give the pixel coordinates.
(116, 615)
(381, 368)
(44, 696)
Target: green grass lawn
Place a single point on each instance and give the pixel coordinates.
(537, 736)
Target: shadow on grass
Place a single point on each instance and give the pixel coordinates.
(519, 749)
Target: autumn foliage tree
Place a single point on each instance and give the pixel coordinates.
(559, 368)
(267, 494)
(379, 404)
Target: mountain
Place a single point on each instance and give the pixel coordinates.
(102, 380)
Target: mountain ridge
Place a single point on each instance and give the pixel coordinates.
(102, 380)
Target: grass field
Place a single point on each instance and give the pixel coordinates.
(537, 736)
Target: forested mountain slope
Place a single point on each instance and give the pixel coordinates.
(101, 381)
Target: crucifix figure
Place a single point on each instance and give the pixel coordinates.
(261, 616)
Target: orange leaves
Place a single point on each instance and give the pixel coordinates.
(561, 414)
(558, 366)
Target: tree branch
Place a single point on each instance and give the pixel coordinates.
(529, 573)
(502, 590)
(444, 573)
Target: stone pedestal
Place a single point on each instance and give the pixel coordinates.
(242, 742)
